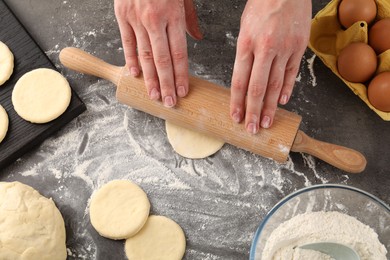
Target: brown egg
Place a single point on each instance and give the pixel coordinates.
(379, 91)
(379, 35)
(357, 62)
(351, 11)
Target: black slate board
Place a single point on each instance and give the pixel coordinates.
(22, 136)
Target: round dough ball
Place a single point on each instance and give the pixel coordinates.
(3, 123)
(31, 226)
(6, 63)
(41, 95)
(191, 144)
(161, 238)
(119, 209)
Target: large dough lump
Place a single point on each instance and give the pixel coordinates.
(31, 226)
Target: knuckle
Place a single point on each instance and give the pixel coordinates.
(274, 84)
(256, 90)
(238, 85)
(124, 9)
(268, 45)
(151, 82)
(152, 16)
(293, 70)
(131, 57)
(179, 55)
(244, 43)
(120, 9)
(301, 41)
(181, 80)
(267, 39)
(163, 61)
(269, 110)
(180, 77)
(167, 87)
(130, 43)
(176, 19)
(146, 55)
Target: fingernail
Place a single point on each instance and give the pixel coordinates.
(134, 71)
(154, 94)
(168, 101)
(252, 128)
(283, 100)
(236, 117)
(265, 122)
(181, 91)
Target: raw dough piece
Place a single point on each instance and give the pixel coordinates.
(6, 63)
(191, 144)
(31, 226)
(161, 238)
(3, 123)
(119, 209)
(41, 95)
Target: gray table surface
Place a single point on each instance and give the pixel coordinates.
(218, 201)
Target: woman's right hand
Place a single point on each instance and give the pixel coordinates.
(153, 33)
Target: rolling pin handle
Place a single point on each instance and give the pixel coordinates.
(79, 60)
(341, 157)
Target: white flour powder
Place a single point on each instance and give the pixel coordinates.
(322, 226)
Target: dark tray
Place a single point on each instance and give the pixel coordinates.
(22, 136)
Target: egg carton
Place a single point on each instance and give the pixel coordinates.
(328, 38)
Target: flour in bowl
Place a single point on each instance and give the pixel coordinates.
(284, 242)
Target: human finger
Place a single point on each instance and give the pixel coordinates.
(256, 90)
(179, 55)
(272, 94)
(145, 54)
(290, 75)
(240, 79)
(128, 38)
(164, 67)
(129, 43)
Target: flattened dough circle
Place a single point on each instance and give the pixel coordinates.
(161, 238)
(6, 63)
(3, 123)
(31, 226)
(119, 209)
(191, 144)
(41, 95)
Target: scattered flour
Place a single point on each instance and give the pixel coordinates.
(298, 78)
(310, 162)
(284, 242)
(231, 40)
(310, 66)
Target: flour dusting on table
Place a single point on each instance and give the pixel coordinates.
(310, 66)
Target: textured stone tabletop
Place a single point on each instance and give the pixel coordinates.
(218, 201)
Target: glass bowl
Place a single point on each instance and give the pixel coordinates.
(354, 202)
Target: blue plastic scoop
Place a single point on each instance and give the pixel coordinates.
(335, 250)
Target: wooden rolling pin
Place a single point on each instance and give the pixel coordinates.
(206, 109)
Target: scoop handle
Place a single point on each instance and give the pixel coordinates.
(78, 60)
(341, 157)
